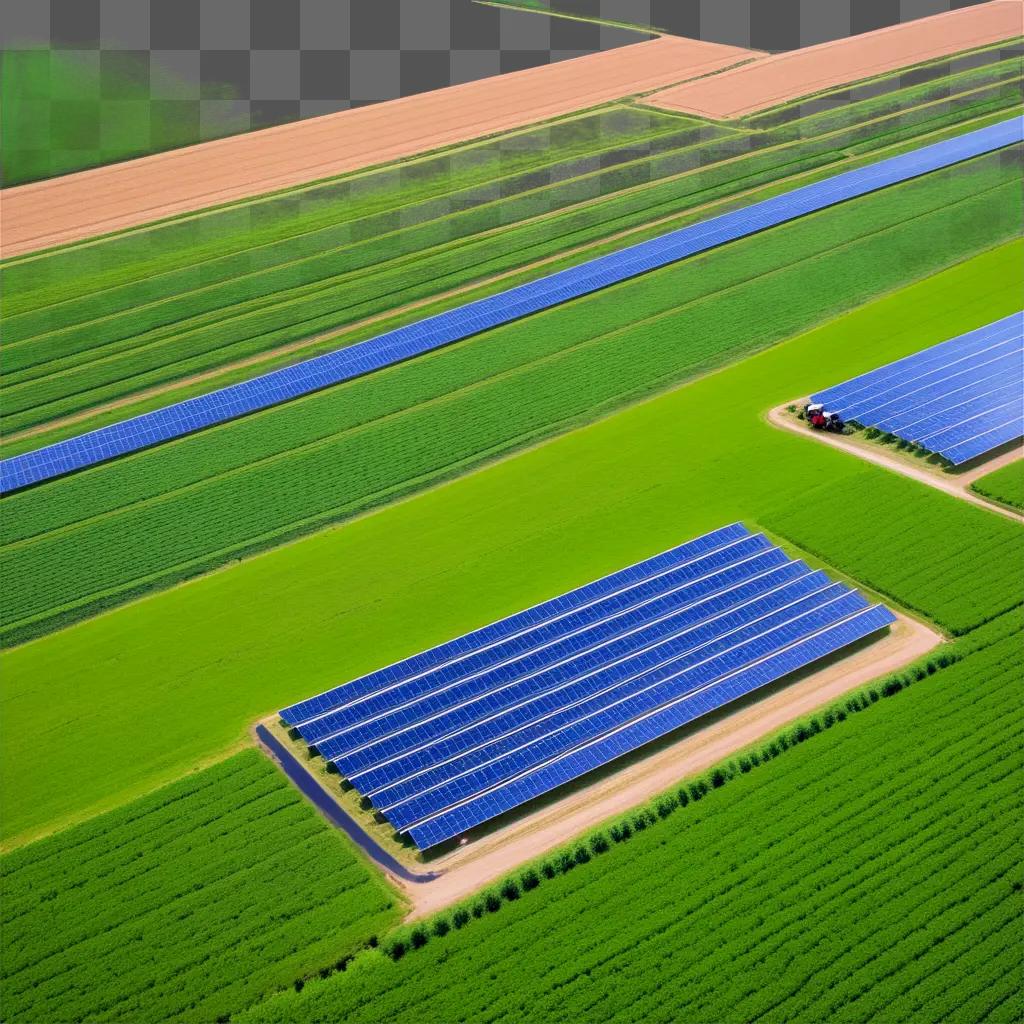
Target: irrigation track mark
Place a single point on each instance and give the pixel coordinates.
(333, 811)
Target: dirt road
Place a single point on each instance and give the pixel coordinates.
(787, 76)
(123, 195)
(959, 486)
(467, 869)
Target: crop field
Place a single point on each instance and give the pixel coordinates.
(885, 862)
(927, 580)
(277, 275)
(858, 862)
(192, 505)
(159, 911)
(342, 602)
(1005, 484)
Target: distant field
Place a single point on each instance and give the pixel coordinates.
(882, 881)
(1005, 485)
(170, 513)
(187, 905)
(311, 614)
(98, 323)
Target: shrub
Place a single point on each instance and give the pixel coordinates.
(565, 862)
(599, 843)
(492, 902)
(397, 950)
(460, 918)
(745, 765)
(530, 880)
(548, 870)
(581, 855)
(718, 779)
(418, 938)
(666, 806)
(441, 927)
(509, 890)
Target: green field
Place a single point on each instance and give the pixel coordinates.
(148, 521)
(301, 618)
(98, 323)
(1005, 485)
(187, 905)
(883, 881)
(861, 864)
(60, 111)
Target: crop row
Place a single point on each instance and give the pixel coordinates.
(894, 514)
(314, 255)
(881, 846)
(66, 274)
(149, 343)
(423, 266)
(470, 402)
(186, 905)
(1005, 484)
(94, 272)
(834, 110)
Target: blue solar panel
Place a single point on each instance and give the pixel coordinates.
(448, 736)
(960, 399)
(482, 643)
(532, 650)
(646, 729)
(453, 325)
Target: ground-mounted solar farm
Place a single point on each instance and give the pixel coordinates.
(568, 568)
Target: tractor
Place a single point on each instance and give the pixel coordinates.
(821, 419)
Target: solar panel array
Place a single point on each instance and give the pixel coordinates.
(459, 734)
(454, 325)
(961, 398)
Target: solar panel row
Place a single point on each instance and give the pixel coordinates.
(449, 738)
(405, 342)
(960, 399)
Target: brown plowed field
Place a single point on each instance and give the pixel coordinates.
(787, 76)
(104, 199)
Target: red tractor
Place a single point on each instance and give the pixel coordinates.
(821, 419)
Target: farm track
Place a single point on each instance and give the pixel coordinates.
(958, 485)
(468, 869)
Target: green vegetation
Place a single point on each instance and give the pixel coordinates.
(1005, 484)
(885, 861)
(292, 268)
(927, 576)
(182, 508)
(207, 658)
(62, 112)
(187, 905)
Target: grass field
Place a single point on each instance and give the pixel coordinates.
(1005, 485)
(148, 521)
(307, 615)
(74, 347)
(187, 905)
(62, 111)
(883, 882)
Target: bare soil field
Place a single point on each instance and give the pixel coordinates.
(78, 206)
(957, 484)
(466, 869)
(787, 76)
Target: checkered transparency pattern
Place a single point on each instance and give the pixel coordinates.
(217, 66)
